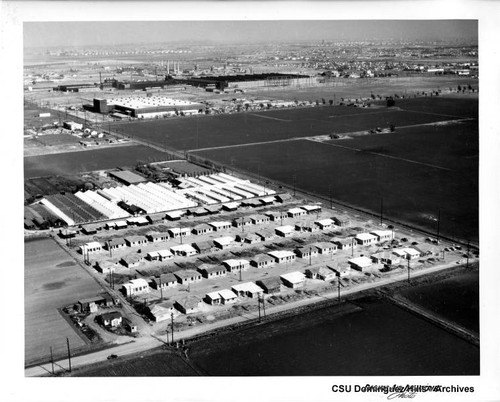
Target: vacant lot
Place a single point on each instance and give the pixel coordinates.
(253, 127)
(52, 280)
(86, 161)
(417, 172)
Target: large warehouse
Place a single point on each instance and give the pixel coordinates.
(145, 106)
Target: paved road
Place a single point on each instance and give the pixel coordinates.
(150, 340)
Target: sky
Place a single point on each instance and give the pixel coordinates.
(47, 34)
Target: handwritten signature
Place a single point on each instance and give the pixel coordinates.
(405, 394)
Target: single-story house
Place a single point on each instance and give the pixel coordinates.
(340, 271)
(157, 237)
(285, 231)
(248, 289)
(325, 247)
(341, 221)
(178, 232)
(213, 298)
(116, 225)
(283, 197)
(308, 226)
(107, 266)
(220, 225)
(164, 281)
(296, 212)
(187, 276)
(204, 246)
(135, 286)
(198, 212)
(325, 274)
(165, 255)
(212, 270)
(90, 229)
(306, 251)
(134, 241)
(312, 272)
(227, 296)
(411, 253)
(252, 203)
(267, 200)
(230, 206)
(426, 249)
(385, 257)
(115, 244)
(270, 285)
(311, 209)
(92, 303)
(345, 244)
(282, 256)
(360, 263)
(325, 224)
(382, 235)
(262, 261)
(174, 215)
(138, 221)
(91, 247)
(236, 265)
(153, 256)
(293, 279)
(202, 228)
(111, 319)
(188, 305)
(267, 234)
(277, 216)
(242, 221)
(68, 233)
(213, 209)
(132, 261)
(184, 250)
(241, 237)
(252, 238)
(162, 311)
(224, 242)
(366, 239)
(259, 219)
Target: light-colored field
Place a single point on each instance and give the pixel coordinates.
(52, 280)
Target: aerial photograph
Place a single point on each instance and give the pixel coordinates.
(251, 198)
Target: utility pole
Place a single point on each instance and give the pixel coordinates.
(69, 354)
(161, 290)
(264, 305)
(352, 247)
(52, 360)
(338, 287)
(310, 257)
(258, 304)
(172, 321)
(240, 274)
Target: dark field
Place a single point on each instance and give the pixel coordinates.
(253, 127)
(349, 169)
(455, 298)
(85, 161)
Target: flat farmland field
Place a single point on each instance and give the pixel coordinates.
(86, 161)
(254, 127)
(416, 171)
(52, 280)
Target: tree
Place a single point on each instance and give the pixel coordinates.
(331, 102)
(459, 88)
(317, 102)
(323, 101)
(390, 102)
(392, 127)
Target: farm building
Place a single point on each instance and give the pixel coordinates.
(341, 221)
(220, 225)
(212, 271)
(325, 224)
(265, 235)
(184, 250)
(227, 296)
(188, 305)
(115, 244)
(270, 285)
(92, 247)
(383, 235)
(248, 289)
(282, 256)
(277, 216)
(127, 177)
(187, 276)
(259, 219)
(262, 261)
(345, 244)
(236, 265)
(385, 257)
(325, 247)
(311, 209)
(134, 241)
(164, 281)
(157, 237)
(179, 232)
(162, 311)
(132, 261)
(365, 239)
(293, 279)
(306, 251)
(296, 212)
(204, 246)
(360, 263)
(135, 286)
(111, 319)
(285, 231)
(202, 228)
(224, 242)
(308, 226)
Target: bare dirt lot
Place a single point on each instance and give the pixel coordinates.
(52, 280)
